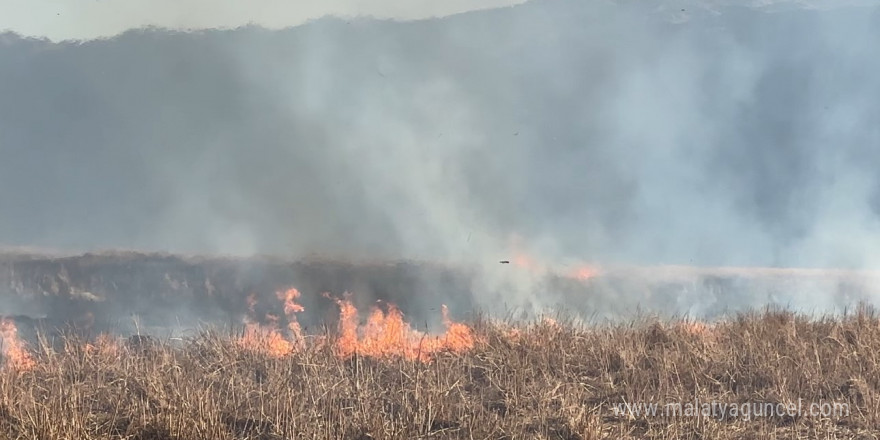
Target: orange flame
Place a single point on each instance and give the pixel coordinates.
(583, 273)
(291, 308)
(386, 335)
(14, 350)
(347, 340)
(268, 339)
(265, 340)
(523, 260)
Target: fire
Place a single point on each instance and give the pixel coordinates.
(347, 340)
(580, 272)
(459, 337)
(268, 339)
(523, 260)
(290, 310)
(387, 335)
(583, 273)
(17, 357)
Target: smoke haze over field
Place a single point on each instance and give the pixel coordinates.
(590, 130)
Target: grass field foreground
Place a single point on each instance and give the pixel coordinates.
(545, 380)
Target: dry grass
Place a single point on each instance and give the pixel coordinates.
(541, 381)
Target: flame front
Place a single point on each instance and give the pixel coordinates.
(291, 308)
(265, 340)
(17, 357)
(387, 335)
(268, 339)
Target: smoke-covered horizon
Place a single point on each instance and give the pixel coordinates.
(72, 21)
(575, 130)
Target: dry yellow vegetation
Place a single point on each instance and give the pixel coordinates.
(544, 380)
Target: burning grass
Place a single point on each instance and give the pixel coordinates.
(385, 335)
(545, 380)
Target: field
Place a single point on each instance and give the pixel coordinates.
(546, 379)
(271, 361)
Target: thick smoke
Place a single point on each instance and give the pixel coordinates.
(590, 130)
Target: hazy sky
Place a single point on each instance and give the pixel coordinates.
(76, 19)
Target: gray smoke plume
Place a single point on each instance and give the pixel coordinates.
(612, 133)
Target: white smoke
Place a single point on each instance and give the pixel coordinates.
(709, 134)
